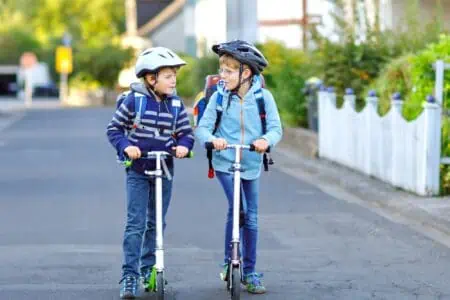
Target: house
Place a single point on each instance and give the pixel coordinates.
(193, 26)
(152, 23)
(168, 23)
(393, 13)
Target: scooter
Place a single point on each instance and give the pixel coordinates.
(157, 281)
(234, 276)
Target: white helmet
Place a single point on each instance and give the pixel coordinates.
(153, 59)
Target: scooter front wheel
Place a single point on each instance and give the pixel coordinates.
(236, 283)
(160, 286)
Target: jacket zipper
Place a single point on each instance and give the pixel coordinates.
(242, 124)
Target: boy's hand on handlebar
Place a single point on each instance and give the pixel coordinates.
(220, 144)
(261, 145)
(181, 151)
(133, 152)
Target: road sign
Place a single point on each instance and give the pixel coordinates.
(64, 59)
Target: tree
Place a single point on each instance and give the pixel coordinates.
(95, 27)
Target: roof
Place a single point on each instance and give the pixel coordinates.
(148, 9)
(154, 13)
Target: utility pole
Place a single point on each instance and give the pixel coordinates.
(304, 24)
(376, 4)
(131, 18)
(242, 20)
(189, 28)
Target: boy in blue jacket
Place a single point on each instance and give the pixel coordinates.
(241, 123)
(159, 129)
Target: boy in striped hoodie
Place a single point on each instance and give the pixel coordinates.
(163, 126)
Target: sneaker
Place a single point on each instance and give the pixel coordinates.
(145, 279)
(224, 274)
(129, 287)
(254, 284)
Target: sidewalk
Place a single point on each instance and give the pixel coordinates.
(428, 215)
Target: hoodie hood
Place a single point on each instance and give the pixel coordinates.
(140, 88)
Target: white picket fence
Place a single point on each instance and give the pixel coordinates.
(405, 154)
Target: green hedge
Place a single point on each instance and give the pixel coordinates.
(191, 78)
(100, 64)
(285, 77)
(413, 76)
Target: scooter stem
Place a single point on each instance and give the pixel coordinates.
(236, 205)
(159, 250)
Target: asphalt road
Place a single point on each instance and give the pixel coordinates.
(62, 213)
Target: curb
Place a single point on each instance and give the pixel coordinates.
(427, 215)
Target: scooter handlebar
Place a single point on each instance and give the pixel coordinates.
(251, 147)
(172, 152)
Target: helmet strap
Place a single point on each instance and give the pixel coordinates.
(152, 90)
(241, 81)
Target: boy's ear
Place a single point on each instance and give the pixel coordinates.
(246, 73)
(151, 79)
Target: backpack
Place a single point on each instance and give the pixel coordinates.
(202, 102)
(202, 98)
(140, 103)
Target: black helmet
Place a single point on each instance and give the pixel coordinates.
(244, 52)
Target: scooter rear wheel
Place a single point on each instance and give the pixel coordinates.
(236, 283)
(160, 286)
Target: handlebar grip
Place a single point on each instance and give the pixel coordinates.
(252, 148)
(209, 146)
(189, 155)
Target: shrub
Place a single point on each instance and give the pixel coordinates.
(414, 77)
(285, 77)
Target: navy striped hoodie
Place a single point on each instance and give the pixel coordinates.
(157, 130)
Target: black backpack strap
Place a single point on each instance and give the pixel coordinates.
(261, 109)
(267, 159)
(219, 111)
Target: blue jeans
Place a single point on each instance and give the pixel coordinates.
(140, 231)
(249, 232)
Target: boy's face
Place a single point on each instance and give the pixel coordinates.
(230, 76)
(166, 81)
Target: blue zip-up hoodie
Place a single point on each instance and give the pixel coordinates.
(240, 124)
(157, 130)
